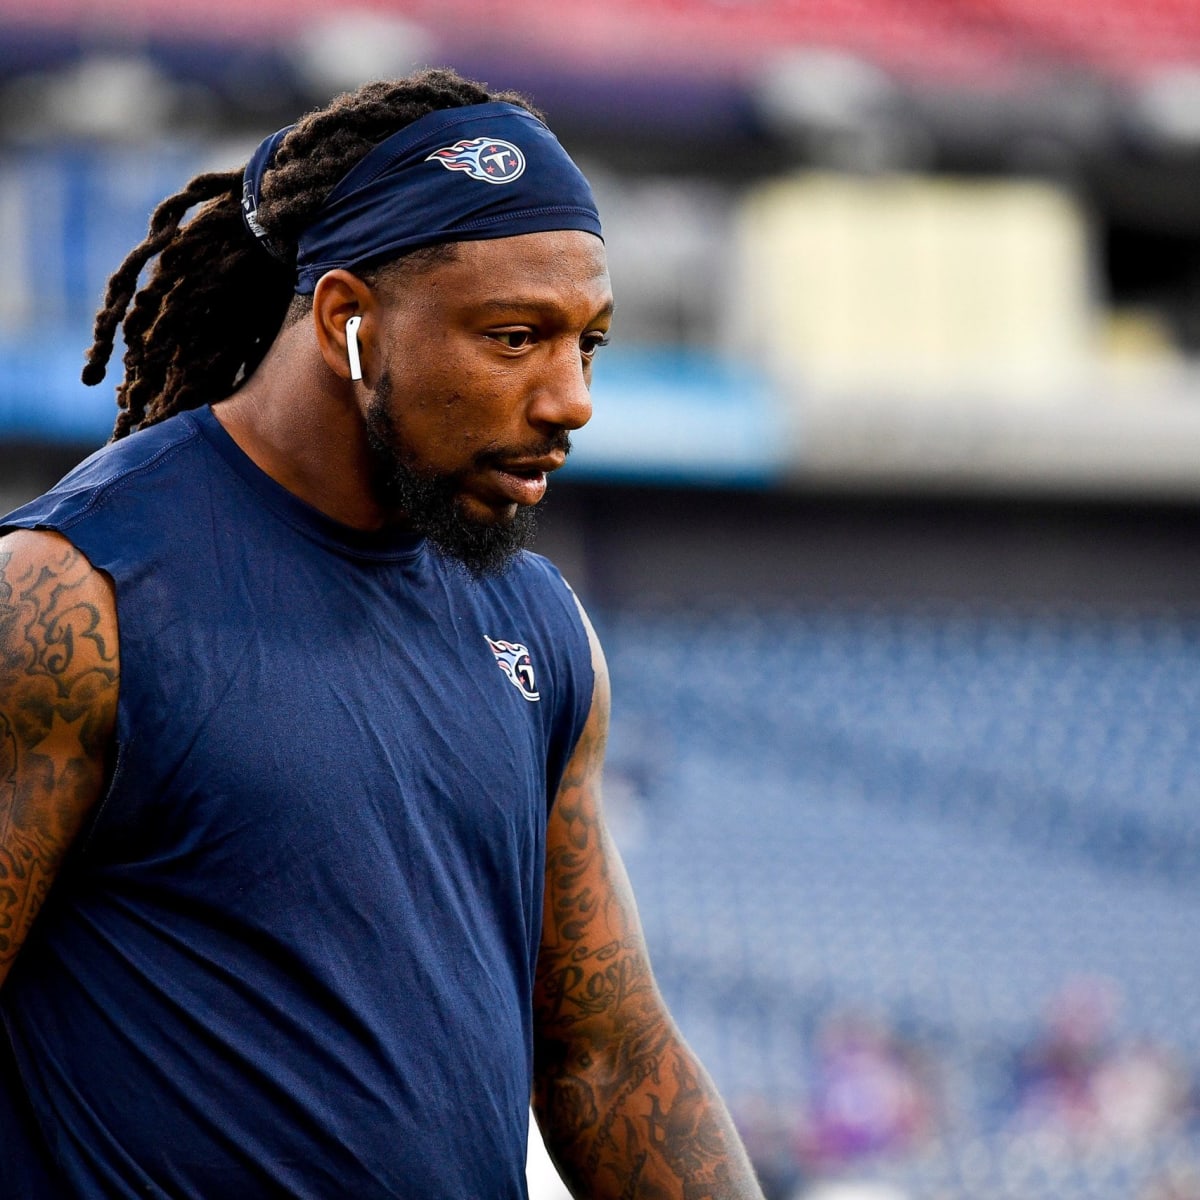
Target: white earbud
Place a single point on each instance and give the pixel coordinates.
(352, 347)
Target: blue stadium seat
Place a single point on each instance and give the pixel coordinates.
(938, 818)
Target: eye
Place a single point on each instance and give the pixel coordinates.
(591, 342)
(513, 339)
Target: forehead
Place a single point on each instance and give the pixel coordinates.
(566, 268)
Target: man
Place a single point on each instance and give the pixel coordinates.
(304, 882)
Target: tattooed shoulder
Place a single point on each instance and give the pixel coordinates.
(59, 675)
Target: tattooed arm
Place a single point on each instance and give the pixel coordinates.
(624, 1106)
(58, 703)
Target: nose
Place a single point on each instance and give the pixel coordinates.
(563, 399)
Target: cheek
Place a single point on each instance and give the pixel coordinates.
(448, 427)
(424, 400)
(454, 402)
(477, 411)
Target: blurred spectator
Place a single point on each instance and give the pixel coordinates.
(1176, 1183)
(1054, 1074)
(872, 1095)
(1077, 1081)
(1139, 1091)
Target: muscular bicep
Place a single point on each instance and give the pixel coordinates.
(58, 702)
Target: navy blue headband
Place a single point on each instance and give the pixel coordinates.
(458, 174)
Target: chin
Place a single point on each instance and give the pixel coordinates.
(487, 543)
(476, 512)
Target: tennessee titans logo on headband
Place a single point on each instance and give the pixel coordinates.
(488, 159)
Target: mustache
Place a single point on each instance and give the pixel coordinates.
(499, 456)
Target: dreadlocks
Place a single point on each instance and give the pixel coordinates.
(215, 299)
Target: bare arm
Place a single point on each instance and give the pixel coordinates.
(58, 704)
(624, 1106)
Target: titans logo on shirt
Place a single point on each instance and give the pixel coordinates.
(513, 659)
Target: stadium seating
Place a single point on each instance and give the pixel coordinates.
(936, 819)
(969, 40)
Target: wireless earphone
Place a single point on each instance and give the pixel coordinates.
(352, 347)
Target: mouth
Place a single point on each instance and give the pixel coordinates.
(524, 481)
(521, 489)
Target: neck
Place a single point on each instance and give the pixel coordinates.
(298, 423)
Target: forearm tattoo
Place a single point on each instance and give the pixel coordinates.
(627, 1111)
(58, 685)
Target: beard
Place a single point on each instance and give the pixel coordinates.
(430, 501)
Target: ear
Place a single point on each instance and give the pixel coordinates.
(339, 295)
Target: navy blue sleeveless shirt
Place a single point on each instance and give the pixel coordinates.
(293, 954)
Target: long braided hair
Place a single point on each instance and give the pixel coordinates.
(215, 299)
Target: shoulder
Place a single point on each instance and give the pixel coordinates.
(121, 503)
(539, 613)
(529, 591)
(535, 570)
(537, 586)
(104, 475)
(535, 580)
(58, 629)
(577, 649)
(59, 673)
(46, 556)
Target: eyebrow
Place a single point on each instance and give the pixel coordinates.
(526, 302)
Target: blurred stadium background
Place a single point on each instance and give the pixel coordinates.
(887, 516)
